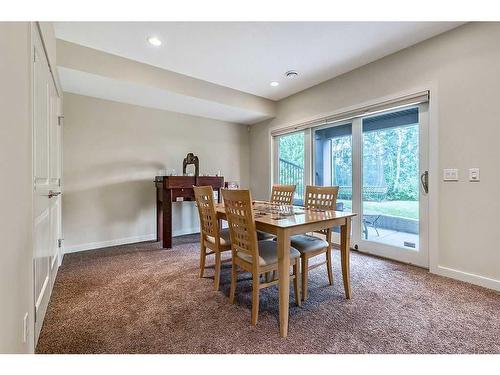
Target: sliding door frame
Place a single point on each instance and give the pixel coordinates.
(406, 255)
(433, 159)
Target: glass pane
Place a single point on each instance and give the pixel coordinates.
(291, 163)
(333, 162)
(390, 191)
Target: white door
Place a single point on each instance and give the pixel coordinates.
(46, 178)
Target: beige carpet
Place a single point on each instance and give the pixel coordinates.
(142, 299)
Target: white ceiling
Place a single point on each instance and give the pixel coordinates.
(247, 56)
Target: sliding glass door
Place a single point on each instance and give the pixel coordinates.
(393, 185)
(379, 162)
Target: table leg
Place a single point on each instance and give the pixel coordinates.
(159, 215)
(284, 278)
(167, 219)
(345, 234)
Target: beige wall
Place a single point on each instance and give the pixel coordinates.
(463, 67)
(112, 151)
(16, 283)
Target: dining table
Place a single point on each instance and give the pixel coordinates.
(286, 221)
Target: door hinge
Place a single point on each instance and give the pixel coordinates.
(59, 242)
(60, 120)
(59, 182)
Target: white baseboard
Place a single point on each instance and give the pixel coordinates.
(185, 231)
(468, 277)
(123, 241)
(116, 242)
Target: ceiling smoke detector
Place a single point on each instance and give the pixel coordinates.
(291, 74)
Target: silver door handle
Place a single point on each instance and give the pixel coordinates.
(53, 194)
(424, 179)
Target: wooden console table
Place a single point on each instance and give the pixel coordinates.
(174, 189)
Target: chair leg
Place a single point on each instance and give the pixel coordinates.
(203, 256)
(329, 265)
(234, 280)
(255, 298)
(304, 271)
(217, 270)
(296, 288)
(365, 229)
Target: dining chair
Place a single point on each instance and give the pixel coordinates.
(256, 257)
(211, 236)
(280, 194)
(309, 246)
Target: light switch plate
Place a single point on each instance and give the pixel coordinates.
(474, 174)
(450, 174)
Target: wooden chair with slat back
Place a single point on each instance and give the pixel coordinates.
(280, 194)
(316, 198)
(211, 236)
(257, 257)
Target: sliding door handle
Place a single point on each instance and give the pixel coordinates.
(424, 179)
(53, 194)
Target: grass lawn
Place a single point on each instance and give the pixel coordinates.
(406, 209)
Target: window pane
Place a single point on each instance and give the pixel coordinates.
(333, 162)
(291, 163)
(390, 191)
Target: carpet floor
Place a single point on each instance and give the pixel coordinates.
(142, 299)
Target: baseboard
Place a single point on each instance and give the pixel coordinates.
(185, 231)
(468, 277)
(116, 242)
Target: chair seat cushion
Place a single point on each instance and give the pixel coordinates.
(225, 239)
(268, 253)
(261, 236)
(306, 243)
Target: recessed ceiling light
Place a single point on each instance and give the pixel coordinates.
(274, 83)
(154, 41)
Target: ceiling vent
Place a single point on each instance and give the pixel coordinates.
(291, 74)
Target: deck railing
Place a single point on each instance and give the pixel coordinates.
(292, 174)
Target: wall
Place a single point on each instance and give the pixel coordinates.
(16, 283)
(463, 68)
(112, 151)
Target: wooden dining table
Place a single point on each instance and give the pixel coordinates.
(287, 221)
